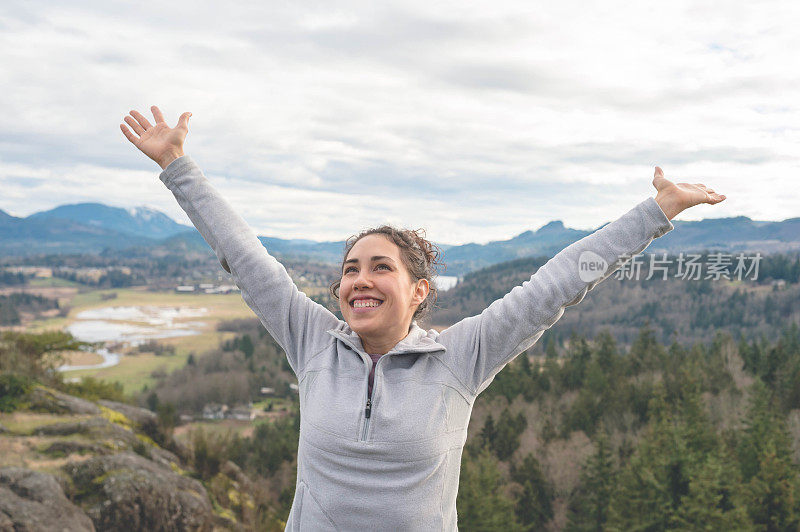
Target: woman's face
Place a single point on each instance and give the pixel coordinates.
(377, 296)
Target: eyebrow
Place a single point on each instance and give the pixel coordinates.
(376, 257)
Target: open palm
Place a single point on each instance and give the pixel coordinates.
(675, 198)
(160, 142)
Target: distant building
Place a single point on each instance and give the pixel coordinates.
(242, 413)
(215, 411)
(184, 288)
(227, 288)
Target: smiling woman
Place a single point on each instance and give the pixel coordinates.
(387, 455)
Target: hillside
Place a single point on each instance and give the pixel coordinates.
(684, 310)
(67, 463)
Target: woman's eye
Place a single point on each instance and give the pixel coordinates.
(354, 268)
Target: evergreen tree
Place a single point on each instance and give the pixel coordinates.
(765, 457)
(550, 348)
(482, 504)
(715, 500)
(656, 481)
(606, 354)
(509, 429)
(588, 509)
(534, 501)
(488, 432)
(246, 346)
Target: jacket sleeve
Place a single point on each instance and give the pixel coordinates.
(478, 347)
(297, 323)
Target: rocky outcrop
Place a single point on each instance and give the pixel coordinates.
(141, 417)
(68, 447)
(128, 492)
(33, 501)
(49, 400)
(113, 473)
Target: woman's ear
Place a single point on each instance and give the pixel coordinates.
(421, 291)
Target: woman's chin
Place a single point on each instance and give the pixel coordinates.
(363, 327)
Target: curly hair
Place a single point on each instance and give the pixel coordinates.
(419, 256)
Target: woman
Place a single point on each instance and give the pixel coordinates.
(387, 454)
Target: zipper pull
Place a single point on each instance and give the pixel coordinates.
(368, 409)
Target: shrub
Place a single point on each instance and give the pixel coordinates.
(12, 389)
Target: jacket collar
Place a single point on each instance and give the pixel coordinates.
(417, 341)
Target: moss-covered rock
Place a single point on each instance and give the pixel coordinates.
(115, 476)
(31, 500)
(128, 492)
(48, 400)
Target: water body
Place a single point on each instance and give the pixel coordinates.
(109, 359)
(132, 325)
(446, 282)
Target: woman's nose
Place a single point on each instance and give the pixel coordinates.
(362, 281)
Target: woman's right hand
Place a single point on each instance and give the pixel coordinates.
(160, 142)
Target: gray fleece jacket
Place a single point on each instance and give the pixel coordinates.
(394, 465)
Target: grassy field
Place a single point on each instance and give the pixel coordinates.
(136, 370)
(41, 282)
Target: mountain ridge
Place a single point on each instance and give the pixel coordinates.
(93, 227)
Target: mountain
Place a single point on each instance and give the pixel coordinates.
(546, 241)
(92, 227)
(85, 228)
(729, 235)
(138, 221)
(25, 236)
(738, 233)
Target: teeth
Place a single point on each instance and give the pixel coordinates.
(361, 303)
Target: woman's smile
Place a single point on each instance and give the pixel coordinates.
(362, 306)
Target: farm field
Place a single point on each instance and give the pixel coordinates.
(135, 369)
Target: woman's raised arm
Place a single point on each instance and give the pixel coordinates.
(478, 347)
(298, 324)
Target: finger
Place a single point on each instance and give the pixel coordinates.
(183, 121)
(141, 119)
(659, 172)
(128, 134)
(135, 125)
(159, 116)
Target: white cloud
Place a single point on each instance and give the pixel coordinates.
(476, 120)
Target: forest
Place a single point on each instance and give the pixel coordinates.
(597, 437)
(660, 405)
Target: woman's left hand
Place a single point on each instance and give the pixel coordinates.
(675, 198)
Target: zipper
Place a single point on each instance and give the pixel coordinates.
(367, 412)
(368, 406)
(368, 360)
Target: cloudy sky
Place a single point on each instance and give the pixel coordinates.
(476, 120)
